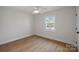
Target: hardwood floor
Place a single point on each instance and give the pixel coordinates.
(35, 44)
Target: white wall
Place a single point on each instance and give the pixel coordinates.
(14, 24)
(65, 25)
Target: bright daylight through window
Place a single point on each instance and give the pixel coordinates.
(50, 23)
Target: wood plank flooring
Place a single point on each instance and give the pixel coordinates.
(35, 44)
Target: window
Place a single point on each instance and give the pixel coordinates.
(50, 23)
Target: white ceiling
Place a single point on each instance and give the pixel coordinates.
(42, 9)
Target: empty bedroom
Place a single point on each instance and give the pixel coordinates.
(39, 29)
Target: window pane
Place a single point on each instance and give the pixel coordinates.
(50, 23)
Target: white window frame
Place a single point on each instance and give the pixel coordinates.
(54, 28)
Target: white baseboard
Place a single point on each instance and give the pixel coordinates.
(14, 39)
(56, 39)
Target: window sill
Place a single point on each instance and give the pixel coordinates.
(54, 30)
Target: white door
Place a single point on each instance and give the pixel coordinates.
(78, 26)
